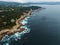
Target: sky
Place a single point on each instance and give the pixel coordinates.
(23, 1)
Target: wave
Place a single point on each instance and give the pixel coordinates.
(17, 36)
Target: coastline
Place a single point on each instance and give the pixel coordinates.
(15, 28)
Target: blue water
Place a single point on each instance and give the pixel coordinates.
(44, 27)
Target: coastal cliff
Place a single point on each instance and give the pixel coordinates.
(16, 28)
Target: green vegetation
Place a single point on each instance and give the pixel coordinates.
(8, 15)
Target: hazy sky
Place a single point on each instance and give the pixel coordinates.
(31, 0)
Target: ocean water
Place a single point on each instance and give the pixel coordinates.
(43, 28)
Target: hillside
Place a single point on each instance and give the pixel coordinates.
(43, 3)
(2, 4)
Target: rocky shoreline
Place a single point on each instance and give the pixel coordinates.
(15, 28)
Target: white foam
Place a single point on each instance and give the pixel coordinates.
(7, 44)
(7, 39)
(25, 21)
